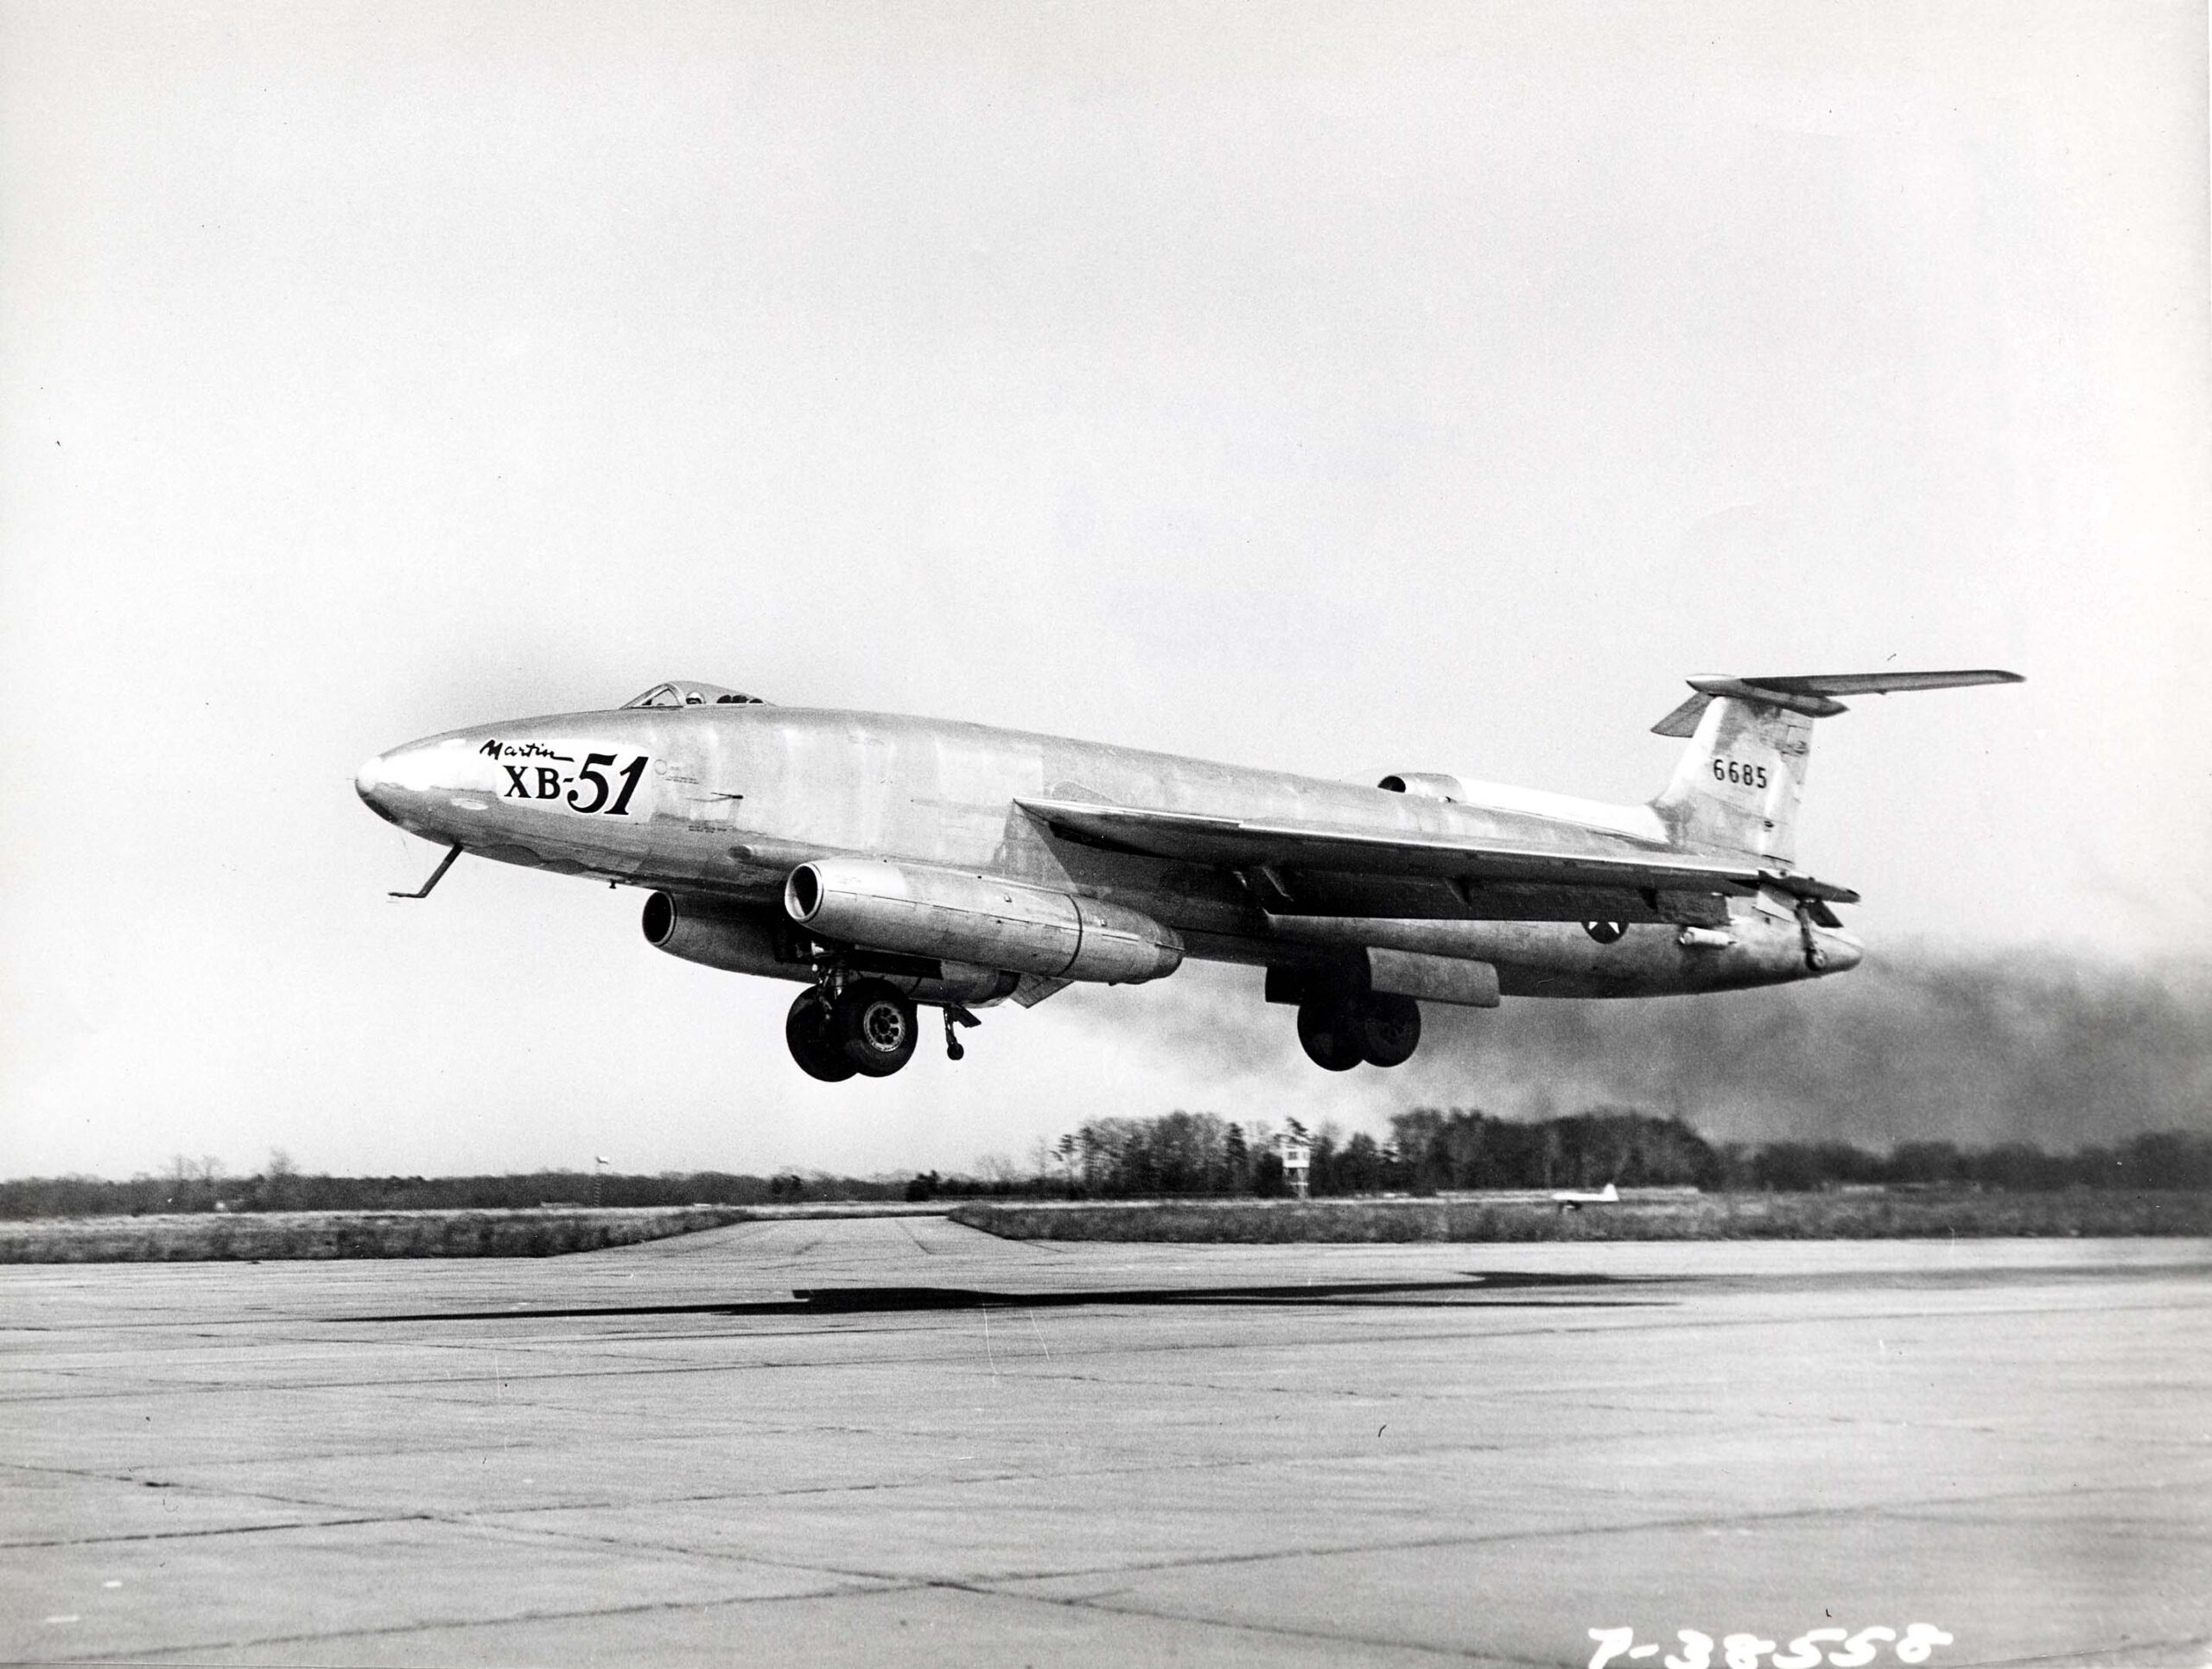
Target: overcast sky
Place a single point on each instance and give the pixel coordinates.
(1340, 388)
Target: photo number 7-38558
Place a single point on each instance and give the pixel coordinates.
(1808, 1651)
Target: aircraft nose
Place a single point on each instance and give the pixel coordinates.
(374, 785)
(393, 783)
(370, 778)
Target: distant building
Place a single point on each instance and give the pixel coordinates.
(1297, 1156)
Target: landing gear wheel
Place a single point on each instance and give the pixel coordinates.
(1330, 1030)
(806, 1034)
(1389, 1029)
(874, 1026)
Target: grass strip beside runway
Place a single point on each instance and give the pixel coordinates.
(1847, 1215)
(222, 1236)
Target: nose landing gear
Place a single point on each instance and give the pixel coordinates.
(874, 1026)
(864, 1026)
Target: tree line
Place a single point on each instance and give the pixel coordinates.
(203, 1186)
(1460, 1148)
(1428, 1150)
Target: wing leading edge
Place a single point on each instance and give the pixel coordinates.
(1233, 843)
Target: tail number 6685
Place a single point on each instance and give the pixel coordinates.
(1749, 776)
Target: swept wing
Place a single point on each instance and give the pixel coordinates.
(1474, 866)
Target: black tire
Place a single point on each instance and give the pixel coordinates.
(1331, 1032)
(806, 1034)
(875, 1027)
(1389, 1029)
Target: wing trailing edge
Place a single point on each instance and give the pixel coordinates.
(1234, 843)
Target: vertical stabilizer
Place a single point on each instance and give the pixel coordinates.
(1738, 784)
(1736, 787)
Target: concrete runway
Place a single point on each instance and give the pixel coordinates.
(1280, 1455)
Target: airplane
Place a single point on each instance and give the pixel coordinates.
(1568, 1198)
(889, 863)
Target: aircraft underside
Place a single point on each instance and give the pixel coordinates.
(1355, 1001)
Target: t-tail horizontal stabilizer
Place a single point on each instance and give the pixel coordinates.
(1814, 694)
(1737, 785)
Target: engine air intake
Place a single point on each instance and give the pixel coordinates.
(1425, 785)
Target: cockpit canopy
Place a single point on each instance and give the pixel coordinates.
(689, 692)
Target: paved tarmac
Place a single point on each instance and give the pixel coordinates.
(965, 1451)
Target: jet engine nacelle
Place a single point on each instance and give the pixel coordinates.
(731, 937)
(980, 919)
(754, 939)
(1426, 785)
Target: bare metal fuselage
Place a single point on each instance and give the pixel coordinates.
(723, 802)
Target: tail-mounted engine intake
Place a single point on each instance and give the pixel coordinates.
(979, 919)
(1426, 785)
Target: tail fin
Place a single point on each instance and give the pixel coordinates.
(1738, 783)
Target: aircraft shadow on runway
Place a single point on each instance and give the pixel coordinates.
(1475, 1287)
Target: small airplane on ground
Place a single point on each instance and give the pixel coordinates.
(885, 862)
(1566, 1199)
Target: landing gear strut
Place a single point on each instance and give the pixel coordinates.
(955, 1015)
(1340, 1032)
(866, 1026)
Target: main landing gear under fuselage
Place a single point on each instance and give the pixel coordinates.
(864, 1027)
(1340, 1032)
